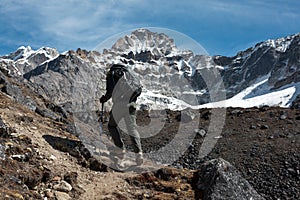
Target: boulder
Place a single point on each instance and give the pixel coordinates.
(186, 116)
(218, 179)
(4, 129)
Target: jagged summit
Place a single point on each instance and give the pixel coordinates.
(280, 44)
(26, 59)
(27, 52)
(145, 40)
(22, 52)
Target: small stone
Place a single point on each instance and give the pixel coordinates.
(62, 195)
(23, 137)
(40, 157)
(282, 117)
(200, 132)
(218, 137)
(236, 112)
(63, 186)
(52, 157)
(146, 195)
(144, 107)
(19, 157)
(49, 193)
(291, 170)
(71, 177)
(29, 149)
(15, 195)
(9, 144)
(253, 127)
(264, 127)
(56, 178)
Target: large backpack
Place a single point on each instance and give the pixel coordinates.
(127, 86)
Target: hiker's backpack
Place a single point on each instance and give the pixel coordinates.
(127, 87)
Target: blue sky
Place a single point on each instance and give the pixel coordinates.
(222, 27)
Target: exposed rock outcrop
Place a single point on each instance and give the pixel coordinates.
(218, 179)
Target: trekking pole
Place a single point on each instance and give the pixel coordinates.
(102, 112)
(101, 118)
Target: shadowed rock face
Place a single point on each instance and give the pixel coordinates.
(287, 69)
(277, 58)
(13, 89)
(67, 80)
(220, 180)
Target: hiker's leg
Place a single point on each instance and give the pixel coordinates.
(131, 126)
(115, 132)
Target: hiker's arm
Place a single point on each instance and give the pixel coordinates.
(109, 88)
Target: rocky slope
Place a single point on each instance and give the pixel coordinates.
(39, 159)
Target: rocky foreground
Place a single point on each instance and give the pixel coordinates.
(257, 157)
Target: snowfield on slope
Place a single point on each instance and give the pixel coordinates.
(257, 95)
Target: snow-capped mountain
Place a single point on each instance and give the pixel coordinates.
(274, 62)
(144, 40)
(266, 74)
(25, 59)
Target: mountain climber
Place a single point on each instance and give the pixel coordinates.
(124, 88)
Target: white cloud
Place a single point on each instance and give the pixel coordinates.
(84, 20)
(73, 20)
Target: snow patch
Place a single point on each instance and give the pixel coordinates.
(281, 97)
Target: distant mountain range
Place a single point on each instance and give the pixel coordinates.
(266, 74)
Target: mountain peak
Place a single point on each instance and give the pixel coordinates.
(145, 40)
(22, 52)
(280, 44)
(25, 59)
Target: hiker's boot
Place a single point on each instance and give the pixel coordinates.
(116, 152)
(120, 154)
(117, 156)
(139, 159)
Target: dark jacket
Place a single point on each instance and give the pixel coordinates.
(122, 94)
